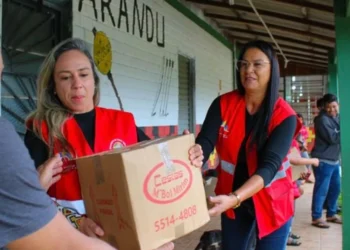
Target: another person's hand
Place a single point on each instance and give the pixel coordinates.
(221, 204)
(316, 162)
(305, 175)
(49, 172)
(196, 155)
(195, 152)
(168, 246)
(186, 132)
(90, 228)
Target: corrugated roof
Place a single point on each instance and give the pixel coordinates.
(303, 29)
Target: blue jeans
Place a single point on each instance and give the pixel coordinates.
(241, 234)
(327, 185)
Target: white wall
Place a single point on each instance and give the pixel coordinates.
(137, 63)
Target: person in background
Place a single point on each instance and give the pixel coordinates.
(320, 104)
(68, 121)
(293, 239)
(327, 175)
(320, 107)
(252, 129)
(303, 140)
(28, 218)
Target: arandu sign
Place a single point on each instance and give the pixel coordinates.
(142, 21)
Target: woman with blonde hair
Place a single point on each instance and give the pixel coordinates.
(69, 122)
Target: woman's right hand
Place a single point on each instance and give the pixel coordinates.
(168, 246)
(196, 155)
(316, 162)
(221, 203)
(49, 172)
(90, 228)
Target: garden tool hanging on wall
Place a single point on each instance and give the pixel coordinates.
(164, 111)
(160, 95)
(103, 59)
(164, 70)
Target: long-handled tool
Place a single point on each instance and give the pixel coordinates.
(165, 110)
(163, 91)
(159, 97)
(160, 88)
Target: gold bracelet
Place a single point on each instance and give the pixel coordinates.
(238, 200)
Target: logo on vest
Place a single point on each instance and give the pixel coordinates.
(65, 156)
(117, 143)
(161, 187)
(224, 126)
(68, 162)
(224, 129)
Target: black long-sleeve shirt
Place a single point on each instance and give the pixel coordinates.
(327, 141)
(39, 151)
(275, 150)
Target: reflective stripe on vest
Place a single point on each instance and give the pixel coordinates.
(228, 167)
(77, 205)
(281, 173)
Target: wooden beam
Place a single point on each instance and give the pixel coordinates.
(274, 26)
(305, 58)
(317, 6)
(305, 54)
(283, 16)
(309, 62)
(295, 59)
(287, 39)
(283, 46)
(300, 68)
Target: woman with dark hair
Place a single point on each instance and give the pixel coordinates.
(302, 140)
(327, 175)
(252, 130)
(303, 131)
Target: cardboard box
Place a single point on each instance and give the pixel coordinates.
(144, 195)
(297, 170)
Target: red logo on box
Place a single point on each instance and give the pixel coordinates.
(162, 188)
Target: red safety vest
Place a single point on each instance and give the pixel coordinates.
(113, 129)
(274, 203)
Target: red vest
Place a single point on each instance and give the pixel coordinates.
(112, 129)
(274, 203)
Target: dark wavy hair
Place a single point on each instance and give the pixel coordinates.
(320, 103)
(329, 98)
(263, 116)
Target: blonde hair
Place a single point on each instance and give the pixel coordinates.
(49, 107)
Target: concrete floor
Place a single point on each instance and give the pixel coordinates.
(312, 238)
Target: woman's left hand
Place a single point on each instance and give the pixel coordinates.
(221, 204)
(196, 155)
(195, 152)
